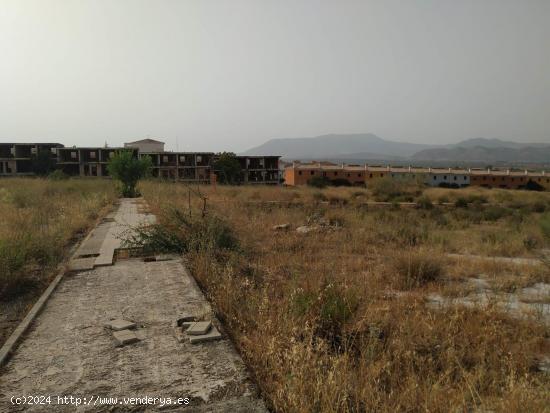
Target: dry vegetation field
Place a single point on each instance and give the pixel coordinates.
(39, 220)
(337, 316)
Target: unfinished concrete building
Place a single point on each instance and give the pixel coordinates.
(16, 158)
(182, 166)
(86, 161)
(259, 169)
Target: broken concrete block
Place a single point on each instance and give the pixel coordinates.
(199, 328)
(186, 325)
(125, 337)
(185, 318)
(212, 335)
(120, 324)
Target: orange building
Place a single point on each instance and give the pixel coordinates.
(300, 174)
(508, 179)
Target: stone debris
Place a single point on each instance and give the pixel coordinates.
(120, 324)
(125, 337)
(199, 328)
(281, 227)
(212, 335)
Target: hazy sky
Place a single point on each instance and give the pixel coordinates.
(229, 74)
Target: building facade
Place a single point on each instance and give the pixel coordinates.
(146, 145)
(301, 173)
(196, 167)
(16, 158)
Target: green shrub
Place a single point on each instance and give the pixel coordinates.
(58, 175)
(180, 233)
(319, 196)
(538, 207)
(319, 182)
(494, 213)
(128, 169)
(388, 190)
(461, 202)
(425, 203)
(340, 182)
(545, 225)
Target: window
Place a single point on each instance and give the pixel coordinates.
(199, 159)
(324, 174)
(464, 178)
(445, 177)
(335, 173)
(484, 178)
(370, 176)
(33, 150)
(165, 158)
(92, 155)
(359, 175)
(381, 175)
(349, 175)
(435, 177)
(494, 179)
(454, 177)
(312, 172)
(73, 154)
(111, 154)
(182, 158)
(299, 172)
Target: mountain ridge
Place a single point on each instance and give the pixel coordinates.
(371, 146)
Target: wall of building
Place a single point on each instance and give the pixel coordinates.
(146, 146)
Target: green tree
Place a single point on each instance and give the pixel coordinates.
(42, 163)
(228, 168)
(128, 169)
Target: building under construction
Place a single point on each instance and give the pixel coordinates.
(192, 167)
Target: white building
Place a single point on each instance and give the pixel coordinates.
(447, 177)
(146, 145)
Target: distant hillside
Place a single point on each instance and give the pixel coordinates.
(365, 147)
(497, 143)
(485, 154)
(334, 146)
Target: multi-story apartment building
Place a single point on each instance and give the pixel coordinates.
(85, 161)
(16, 158)
(508, 179)
(182, 166)
(301, 173)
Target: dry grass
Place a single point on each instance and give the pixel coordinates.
(39, 219)
(317, 318)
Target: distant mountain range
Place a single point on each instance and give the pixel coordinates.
(367, 146)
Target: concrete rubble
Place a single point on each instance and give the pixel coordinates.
(120, 324)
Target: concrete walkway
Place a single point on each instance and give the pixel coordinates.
(69, 352)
